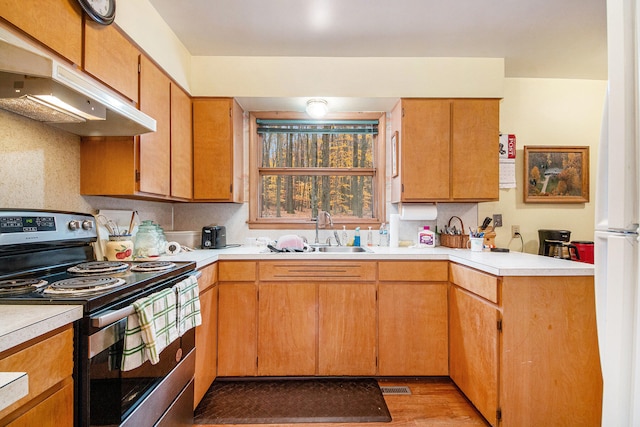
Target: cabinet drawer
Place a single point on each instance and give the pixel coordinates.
(318, 271)
(237, 271)
(209, 277)
(43, 372)
(413, 271)
(482, 284)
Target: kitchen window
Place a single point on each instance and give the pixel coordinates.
(299, 166)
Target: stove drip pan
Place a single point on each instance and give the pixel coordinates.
(99, 267)
(20, 286)
(153, 266)
(78, 286)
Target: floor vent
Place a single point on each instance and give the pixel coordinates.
(395, 390)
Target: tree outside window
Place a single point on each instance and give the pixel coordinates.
(304, 166)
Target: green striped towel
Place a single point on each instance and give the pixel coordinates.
(150, 330)
(188, 304)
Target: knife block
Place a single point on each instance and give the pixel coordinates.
(489, 237)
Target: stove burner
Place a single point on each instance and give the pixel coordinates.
(20, 286)
(77, 286)
(99, 267)
(153, 266)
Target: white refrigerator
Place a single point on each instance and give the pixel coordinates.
(616, 228)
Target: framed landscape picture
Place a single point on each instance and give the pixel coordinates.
(556, 174)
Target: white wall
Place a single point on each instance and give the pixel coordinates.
(548, 112)
(347, 77)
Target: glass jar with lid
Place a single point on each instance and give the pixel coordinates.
(146, 244)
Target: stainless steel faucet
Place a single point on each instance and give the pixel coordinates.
(322, 217)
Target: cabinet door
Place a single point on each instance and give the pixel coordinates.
(473, 349)
(206, 344)
(155, 147)
(217, 149)
(55, 410)
(111, 58)
(237, 329)
(474, 149)
(181, 144)
(347, 329)
(55, 23)
(424, 149)
(413, 333)
(287, 319)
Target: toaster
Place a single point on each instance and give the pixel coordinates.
(214, 237)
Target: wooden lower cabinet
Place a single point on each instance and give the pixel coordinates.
(347, 341)
(412, 318)
(49, 401)
(473, 350)
(287, 325)
(237, 329)
(206, 333)
(523, 350)
(550, 365)
(56, 410)
(413, 329)
(237, 318)
(530, 358)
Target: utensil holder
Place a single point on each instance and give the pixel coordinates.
(454, 240)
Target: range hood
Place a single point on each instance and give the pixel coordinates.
(36, 85)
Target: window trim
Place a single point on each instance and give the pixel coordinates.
(255, 222)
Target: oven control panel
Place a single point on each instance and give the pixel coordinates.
(27, 224)
(34, 226)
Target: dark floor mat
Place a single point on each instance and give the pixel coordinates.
(293, 401)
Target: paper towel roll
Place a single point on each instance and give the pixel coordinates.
(418, 211)
(394, 229)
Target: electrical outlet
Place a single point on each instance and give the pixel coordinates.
(497, 220)
(515, 230)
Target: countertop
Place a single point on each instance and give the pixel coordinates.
(496, 263)
(21, 323)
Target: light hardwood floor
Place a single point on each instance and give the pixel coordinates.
(433, 402)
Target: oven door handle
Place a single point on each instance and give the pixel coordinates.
(110, 316)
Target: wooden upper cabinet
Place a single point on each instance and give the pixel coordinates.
(110, 57)
(181, 146)
(137, 166)
(474, 149)
(423, 148)
(217, 150)
(55, 23)
(447, 150)
(155, 147)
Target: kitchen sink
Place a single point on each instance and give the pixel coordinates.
(342, 249)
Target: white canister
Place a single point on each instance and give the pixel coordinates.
(119, 248)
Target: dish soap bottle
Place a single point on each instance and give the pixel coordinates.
(384, 241)
(427, 237)
(356, 238)
(369, 237)
(344, 235)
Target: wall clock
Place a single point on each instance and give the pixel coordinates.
(101, 11)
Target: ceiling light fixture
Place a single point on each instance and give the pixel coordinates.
(317, 108)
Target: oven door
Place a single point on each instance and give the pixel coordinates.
(143, 395)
